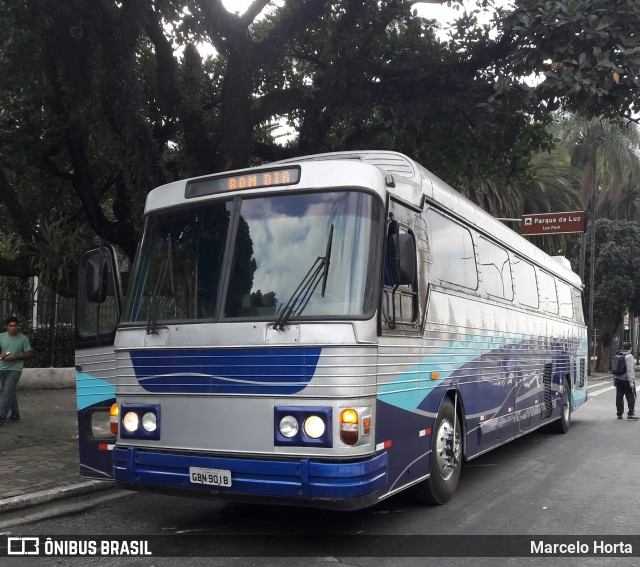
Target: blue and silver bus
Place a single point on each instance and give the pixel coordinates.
(324, 331)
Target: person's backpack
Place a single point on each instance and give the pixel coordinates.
(619, 364)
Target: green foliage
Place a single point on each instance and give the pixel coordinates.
(587, 53)
(55, 251)
(616, 282)
(552, 185)
(617, 261)
(101, 101)
(52, 345)
(608, 155)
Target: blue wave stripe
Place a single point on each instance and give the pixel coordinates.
(271, 371)
(409, 389)
(446, 361)
(91, 390)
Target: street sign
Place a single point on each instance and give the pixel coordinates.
(553, 223)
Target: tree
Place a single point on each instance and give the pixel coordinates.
(607, 153)
(616, 285)
(101, 101)
(608, 156)
(584, 51)
(552, 185)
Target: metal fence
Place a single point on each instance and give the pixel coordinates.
(48, 322)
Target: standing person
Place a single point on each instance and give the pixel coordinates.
(626, 385)
(14, 350)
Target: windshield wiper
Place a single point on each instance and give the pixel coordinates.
(327, 261)
(300, 298)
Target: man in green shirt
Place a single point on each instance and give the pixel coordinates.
(14, 350)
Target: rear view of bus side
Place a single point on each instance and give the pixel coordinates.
(325, 331)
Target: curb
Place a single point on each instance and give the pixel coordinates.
(44, 496)
(47, 379)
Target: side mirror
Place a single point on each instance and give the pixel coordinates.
(97, 271)
(402, 259)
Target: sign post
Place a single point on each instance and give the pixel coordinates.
(553, 223)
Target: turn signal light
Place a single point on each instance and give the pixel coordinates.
(349, 426)
(113, 419)
(349, 416)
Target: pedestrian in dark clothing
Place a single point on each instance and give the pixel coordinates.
(626, 386)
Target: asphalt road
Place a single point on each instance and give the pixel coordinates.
(582, 485)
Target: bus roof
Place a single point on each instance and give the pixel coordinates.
(410, 182)
(409, 175)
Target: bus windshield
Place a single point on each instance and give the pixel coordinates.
(265, 248)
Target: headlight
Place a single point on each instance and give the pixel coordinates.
(130, 421)
(149, 421)
(314, 427)
(140, 421)
(303, 426)
(288, 426)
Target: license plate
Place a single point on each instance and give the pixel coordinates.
(212, 477)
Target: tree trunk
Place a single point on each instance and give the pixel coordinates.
(235, 135)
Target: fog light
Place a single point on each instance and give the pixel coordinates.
(149, 421)
(314, 427)
(288, 426)
(131, 421)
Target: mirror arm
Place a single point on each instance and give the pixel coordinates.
(392, 325)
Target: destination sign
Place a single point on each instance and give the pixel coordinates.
(251, 180)
(553, 223)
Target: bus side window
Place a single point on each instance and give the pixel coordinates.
(526, 283)
(548, 293)
(578, 308)
(452, 251)
(496, 269)
(565, 302)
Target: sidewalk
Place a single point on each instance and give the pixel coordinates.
(39, 454)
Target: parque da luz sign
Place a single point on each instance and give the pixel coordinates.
(553, 223)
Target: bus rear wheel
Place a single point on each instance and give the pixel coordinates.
(446, 458)
(562, 425)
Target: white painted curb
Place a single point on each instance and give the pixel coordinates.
(47, 378)
(35, 498)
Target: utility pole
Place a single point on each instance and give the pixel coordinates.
(592, 270)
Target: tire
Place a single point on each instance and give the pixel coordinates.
(446, 458)
(562, 425)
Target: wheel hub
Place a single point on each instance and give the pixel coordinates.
(448, 449)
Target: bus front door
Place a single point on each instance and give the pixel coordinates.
(98, 308)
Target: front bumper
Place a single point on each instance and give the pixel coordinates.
(303, 481)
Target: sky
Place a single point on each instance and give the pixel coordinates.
(439, 12)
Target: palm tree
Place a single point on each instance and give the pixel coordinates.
(553, 185)
(608, 154)
(628, 206)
